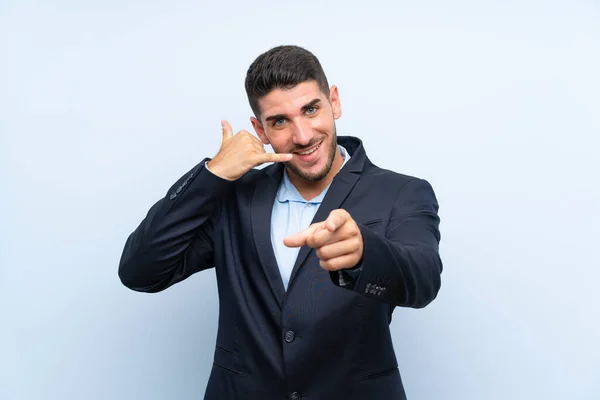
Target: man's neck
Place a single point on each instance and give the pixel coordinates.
(308, 189)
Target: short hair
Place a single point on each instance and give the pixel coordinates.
(282, 67)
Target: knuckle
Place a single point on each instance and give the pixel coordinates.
(244, 136)
(323, 254)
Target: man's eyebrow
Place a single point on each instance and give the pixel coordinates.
(312, 103)
(275, 117)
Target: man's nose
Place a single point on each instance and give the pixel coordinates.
(302, 134)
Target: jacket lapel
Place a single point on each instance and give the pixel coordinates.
(260, 212)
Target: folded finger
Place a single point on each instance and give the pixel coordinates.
(338, 249)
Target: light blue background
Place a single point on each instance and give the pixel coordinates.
(104, 105)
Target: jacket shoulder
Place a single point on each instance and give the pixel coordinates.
(387, 176)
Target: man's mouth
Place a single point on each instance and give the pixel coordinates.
(309, 151)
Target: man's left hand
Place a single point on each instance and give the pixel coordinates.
(338, 241)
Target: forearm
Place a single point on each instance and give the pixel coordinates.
(399, 274)
(175, 238)
(402, 265)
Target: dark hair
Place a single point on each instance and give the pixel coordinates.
(282, 67)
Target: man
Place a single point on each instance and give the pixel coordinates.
(311, 253)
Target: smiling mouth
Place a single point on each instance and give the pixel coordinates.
(310, 151)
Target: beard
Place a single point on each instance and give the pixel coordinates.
(317, 176)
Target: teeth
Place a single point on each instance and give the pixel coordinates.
(310, 151)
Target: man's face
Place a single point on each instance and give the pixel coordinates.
(301, 121)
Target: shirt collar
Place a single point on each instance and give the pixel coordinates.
(288, 192)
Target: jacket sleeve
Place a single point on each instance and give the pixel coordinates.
(402, 268)
(175, 239)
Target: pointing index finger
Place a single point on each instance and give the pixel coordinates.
(302, 238)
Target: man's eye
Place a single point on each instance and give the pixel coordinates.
(279, 122)
(311, 110)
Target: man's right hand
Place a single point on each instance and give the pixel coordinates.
(240, 153)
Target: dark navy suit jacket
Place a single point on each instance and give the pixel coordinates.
(319, 340)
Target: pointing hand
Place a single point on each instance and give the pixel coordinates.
(338, 241)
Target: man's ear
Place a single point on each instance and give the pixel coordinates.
(259, 130)
(334, 99)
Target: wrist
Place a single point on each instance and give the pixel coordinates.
(214, 169)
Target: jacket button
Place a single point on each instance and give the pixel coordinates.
(289, 337)
(295, 396)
